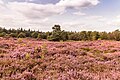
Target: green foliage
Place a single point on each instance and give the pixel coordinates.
(28, 34)
(56, 28)
(83, 35)
(21, 35)
(74, 36)
(104, 35)
(13, 35)
(2, 34)
(43, 35)
(95, 35)
(49, 38)
(116, 35)
(64, 36)
(39, 36)
(89, 35)
(57, 34)
(34, 34)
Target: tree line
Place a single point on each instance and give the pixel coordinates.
(60, 35)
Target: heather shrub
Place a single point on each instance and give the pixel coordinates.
(86, 49)
(97, 52)
(3, 51)
(28, 76)
(97, 68)
(37, 49)
(83, 53)
(37, 60)
(113, 50)
(23, 44)
(5, 46)
(20, 40)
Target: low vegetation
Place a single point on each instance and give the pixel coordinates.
(32, 59)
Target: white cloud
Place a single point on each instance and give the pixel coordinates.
(1, 2)
(23, 14)
(32, 10)
(115, 21)
(79, 13)
(77, 3)
(118, 16)
(96, 18)
(2, 5)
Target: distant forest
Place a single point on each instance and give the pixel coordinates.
(60, 35)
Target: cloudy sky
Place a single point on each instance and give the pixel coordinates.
(72, 15)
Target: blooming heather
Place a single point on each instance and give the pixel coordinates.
(84, 60)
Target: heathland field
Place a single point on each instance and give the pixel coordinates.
(31, 59)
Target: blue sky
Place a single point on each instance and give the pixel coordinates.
(72, 15)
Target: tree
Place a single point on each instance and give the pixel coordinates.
(104, 35)
(28, 34)
(116, 35)
(95, 35)
(2, 34)
(13, 35)
(55, 36)
(56, 28)
(74, 36)
(4, 30)
(64, 35)
(89, 35)
(43, 35)
(34, 35)
(83, 35)
(21, 35)
(39, 36)
(56, 33)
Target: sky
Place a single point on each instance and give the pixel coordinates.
(72, 15)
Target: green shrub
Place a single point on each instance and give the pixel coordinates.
(13, 34)
(2, 34)
(34, 34)
(39, 36)
(21, 35)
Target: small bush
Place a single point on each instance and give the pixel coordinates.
(27, 56)
(34, 34)
(44, 50)
(2, 34)
(21, 35)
